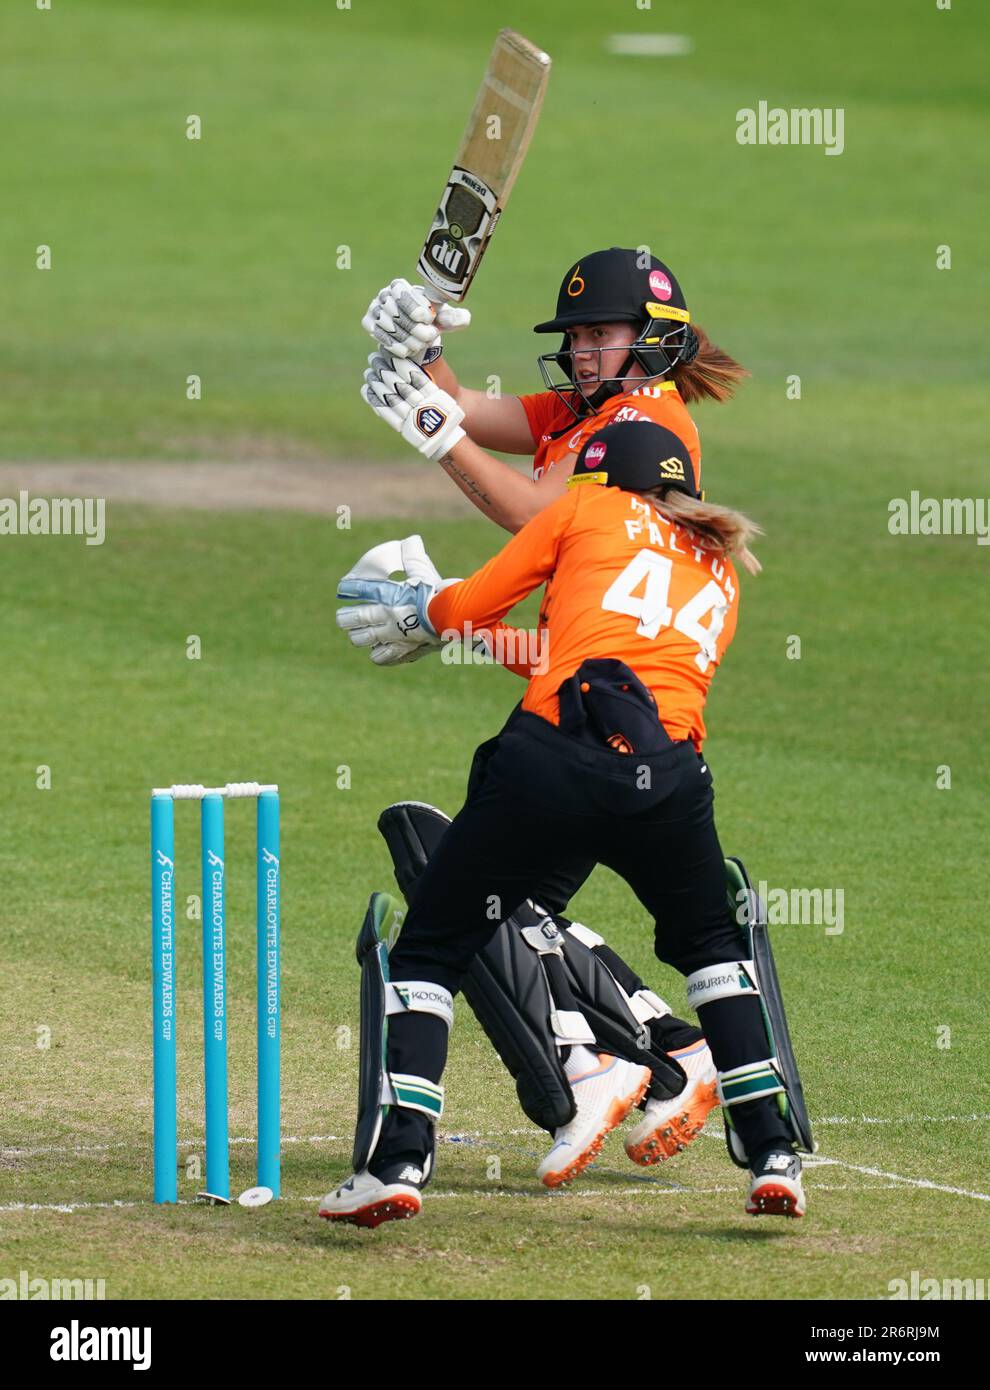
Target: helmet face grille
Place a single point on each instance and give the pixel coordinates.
(654, 353)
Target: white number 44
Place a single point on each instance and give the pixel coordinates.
(651, 572)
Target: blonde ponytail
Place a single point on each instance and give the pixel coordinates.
(720, 529)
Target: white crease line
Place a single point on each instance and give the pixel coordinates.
(80, 1149)
(911, 1182)
(899, 1120)
(64, 1206)
(457, 1136)
(648, 1188)
(712, 1131)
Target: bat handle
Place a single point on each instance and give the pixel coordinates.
(434, 295)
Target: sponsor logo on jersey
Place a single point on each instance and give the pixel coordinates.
(429, 419)
(660, 285)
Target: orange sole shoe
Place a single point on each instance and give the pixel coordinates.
(614, 1116)
(682, 1128)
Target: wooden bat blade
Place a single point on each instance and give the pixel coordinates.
(488, 160)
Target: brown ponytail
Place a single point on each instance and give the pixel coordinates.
(720, 529)
(710, 374)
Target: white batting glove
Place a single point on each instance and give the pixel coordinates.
(413, 404)
(408, 324)
(392, 622)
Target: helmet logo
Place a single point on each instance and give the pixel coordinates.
(595, 454)
(660, 285)
(575, 284)
(672, 468)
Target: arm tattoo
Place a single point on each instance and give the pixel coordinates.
(449, 466)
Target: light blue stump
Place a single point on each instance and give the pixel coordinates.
(269, 1022)
(214, 998)
(163, 994)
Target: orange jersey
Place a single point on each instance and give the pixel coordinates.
(624, 583)
(557, 434)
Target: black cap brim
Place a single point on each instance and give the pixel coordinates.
(560, 325)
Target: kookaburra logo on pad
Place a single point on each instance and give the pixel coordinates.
(429, 419)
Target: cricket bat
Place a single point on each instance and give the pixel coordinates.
(490, 156)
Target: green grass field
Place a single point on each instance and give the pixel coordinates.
(174, 257)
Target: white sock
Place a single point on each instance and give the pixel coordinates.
(581, 1060)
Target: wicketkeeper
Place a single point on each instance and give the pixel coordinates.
(602, 765)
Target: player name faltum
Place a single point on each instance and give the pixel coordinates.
(25, 515)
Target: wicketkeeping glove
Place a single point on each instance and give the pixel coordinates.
(392, 621)
(407, 399)
(408, 323)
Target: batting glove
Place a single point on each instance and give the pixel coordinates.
(407, 323)
(392, 621)
(413, 404)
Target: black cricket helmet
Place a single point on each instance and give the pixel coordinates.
(619, 286)
(635, 455)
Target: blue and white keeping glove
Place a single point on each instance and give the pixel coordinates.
(413, 404)
(407, 323)
(392, 618)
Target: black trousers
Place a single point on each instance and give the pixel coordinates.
(559, 885)
(550, 805)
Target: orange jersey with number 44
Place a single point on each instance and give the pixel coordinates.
(622, 582)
